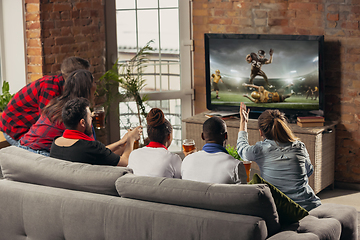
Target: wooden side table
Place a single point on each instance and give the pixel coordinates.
(319, 141)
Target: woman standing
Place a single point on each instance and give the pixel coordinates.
(155, 160)
(282, 158)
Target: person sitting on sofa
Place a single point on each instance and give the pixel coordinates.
(25, 107)
(155, 160)
(213, 164)
(76, 145)
(282, 158)
(38, 139)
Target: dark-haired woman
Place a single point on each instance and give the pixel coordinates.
(282, 158)
(155, 160)
(39, 138)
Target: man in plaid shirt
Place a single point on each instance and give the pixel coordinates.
(25, 107)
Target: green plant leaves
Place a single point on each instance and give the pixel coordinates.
(5, 97)
(232, 151)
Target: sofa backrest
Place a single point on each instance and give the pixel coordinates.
(254, 200)
(30, 211)
(21, 165)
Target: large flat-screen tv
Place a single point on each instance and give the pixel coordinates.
(282, 72)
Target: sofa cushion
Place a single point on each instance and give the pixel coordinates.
(254, 200)
(21, 165)
(288, 210)
(346, 215)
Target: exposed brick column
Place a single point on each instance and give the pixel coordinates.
(34, 54)
(61, 28)
(73, 28)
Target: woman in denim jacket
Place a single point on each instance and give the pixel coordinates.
(282, 158)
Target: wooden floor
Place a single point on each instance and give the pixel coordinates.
(341, 196)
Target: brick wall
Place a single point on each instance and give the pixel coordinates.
(58, 29)
(337, 20)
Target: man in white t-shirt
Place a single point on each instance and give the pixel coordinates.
(213, 164)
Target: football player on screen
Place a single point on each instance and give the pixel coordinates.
(264, 96)
(316, 93)
(215, 78)
(256, 63)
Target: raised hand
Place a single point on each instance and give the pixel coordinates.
(244, 113)
(271, 52)
(136, 133)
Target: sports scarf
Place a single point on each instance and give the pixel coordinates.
(214, 148)
(156, 145)
(75, 134)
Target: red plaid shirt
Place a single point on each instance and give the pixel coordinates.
(25, 107)
(42, 133)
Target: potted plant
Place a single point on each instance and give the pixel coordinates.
(128, 76)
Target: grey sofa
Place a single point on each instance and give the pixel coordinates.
(42, 198)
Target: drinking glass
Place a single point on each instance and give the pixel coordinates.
(188, 145)
(247, 165)
(99, 117)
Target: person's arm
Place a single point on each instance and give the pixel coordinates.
(244, 117)
(129, 146)
(240, 174)
(245, 150)
(48, 90)
(245, 95)
(120, 146)
(116, 146)
(309, 167)
(250, 85)
(243, 147)
(271, 57)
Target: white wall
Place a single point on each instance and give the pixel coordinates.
(12, 43)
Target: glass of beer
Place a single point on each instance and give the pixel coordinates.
(247, 165)
(99, 117)
(188, 145)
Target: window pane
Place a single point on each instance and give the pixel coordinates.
(126, 33)
(125, 4)
(170, 76)
(148, 27)
(169, 30)
(150, 76)
(172, 112)
(147, 3)
(169, 3)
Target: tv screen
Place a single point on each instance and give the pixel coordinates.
(265, 72)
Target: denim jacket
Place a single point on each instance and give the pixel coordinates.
(285, 165)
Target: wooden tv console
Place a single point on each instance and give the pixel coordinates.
(319, 141)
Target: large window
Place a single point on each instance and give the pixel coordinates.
(168, 74)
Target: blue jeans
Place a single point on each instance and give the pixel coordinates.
(11, 140)
(42, 152)
(17, 144)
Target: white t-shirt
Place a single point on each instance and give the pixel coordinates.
(217, 167)
(155, 162)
